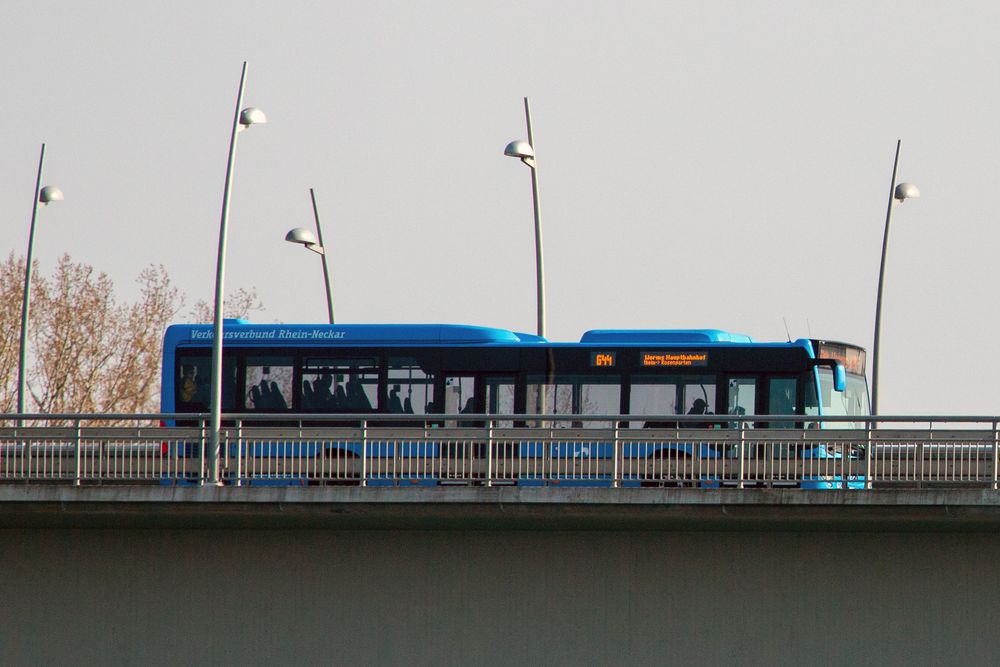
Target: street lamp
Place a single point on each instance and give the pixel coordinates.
(315, 243)
(900, 192)
(43, 196)
(241, 120)
(525, 151)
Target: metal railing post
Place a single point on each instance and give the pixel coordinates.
(696, 468)
(364, 453)
(77, 451)
(616, 455)
(202, 454)
(220, 466)
(101, 448)
(303, 449)
(845, 458)
(765, 462)
(845, 464)
(742, 455)
(239, 452)
(26, 449)
(920, 469)
(421, 467)
(177, 460)
(869, 453)
(489, 454)
(547, 458)
(996, 449)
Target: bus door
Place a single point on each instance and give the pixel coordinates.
(460, 397)
(499, 398)
(782, 399)
(743, 402)
(748, 395)
(468, 394)
(465, 393)
(742, 396)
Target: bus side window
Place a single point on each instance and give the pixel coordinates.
(411, 388)
(654, 396)
(269, 383)
(574, 395)
(193, 384)
(699, 396)
(339, 385)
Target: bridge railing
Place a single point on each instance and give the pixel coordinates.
(537, 450)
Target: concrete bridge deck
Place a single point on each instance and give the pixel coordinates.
(484, 508)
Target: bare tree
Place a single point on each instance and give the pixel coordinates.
(239, 304)
(90, 353)
(73, 339)
(133, 382)
(11, 291)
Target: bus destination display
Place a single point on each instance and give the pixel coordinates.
(675, 359)
(602, 359)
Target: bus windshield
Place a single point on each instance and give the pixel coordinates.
(853, 401)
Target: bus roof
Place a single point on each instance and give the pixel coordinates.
(698, 336)
(237, 331)
(241, 332)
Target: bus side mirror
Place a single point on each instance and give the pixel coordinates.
(839, 373)
(839, 377)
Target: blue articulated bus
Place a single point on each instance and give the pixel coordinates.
(422, 371)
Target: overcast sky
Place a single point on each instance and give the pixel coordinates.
(701, 164)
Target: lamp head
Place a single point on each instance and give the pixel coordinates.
(304, 237)
(251, 116)
(522, 150)
(519, 149)
(906, 191)
(50, 193)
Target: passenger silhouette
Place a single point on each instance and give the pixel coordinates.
(699, 407)
(276, 398)
(395, 405)
(356, 397)
(308, 397)
(339, 395)
(188, 384)
(267, 396)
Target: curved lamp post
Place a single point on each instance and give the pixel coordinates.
(900, 192)
(314, 242)
(525, 151)
(43, 196)
(241, 120)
